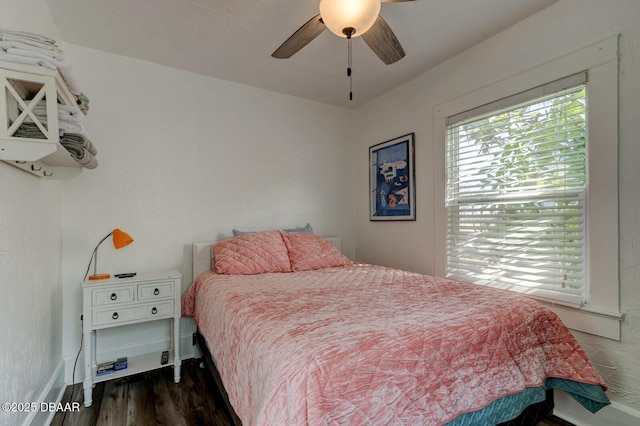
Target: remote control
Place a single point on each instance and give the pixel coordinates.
(126, 275)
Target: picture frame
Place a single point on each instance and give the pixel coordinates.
(392, 187)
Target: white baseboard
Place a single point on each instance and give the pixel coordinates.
(615, 414)
(51, 393)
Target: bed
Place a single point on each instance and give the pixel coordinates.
(297, 334)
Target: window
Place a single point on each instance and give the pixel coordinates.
(526, 186)
(516, 192)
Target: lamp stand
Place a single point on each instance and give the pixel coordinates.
(95, 275)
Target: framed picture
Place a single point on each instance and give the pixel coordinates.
(392, 183)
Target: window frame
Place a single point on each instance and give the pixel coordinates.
(467, 197)
(601, 316)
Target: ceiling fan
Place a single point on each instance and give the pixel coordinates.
(347, 19)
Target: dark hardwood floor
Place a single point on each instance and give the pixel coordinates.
(153, 399)
(150, 399)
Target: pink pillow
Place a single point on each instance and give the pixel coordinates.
(308, 251)
(250, 254)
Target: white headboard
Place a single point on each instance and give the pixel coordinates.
(203, 257)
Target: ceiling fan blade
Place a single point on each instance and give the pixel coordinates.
(384, 43)
(300, 38)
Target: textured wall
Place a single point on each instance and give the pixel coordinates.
(30, 259)
(562, 28)
(31, 302)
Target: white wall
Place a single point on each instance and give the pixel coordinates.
(30, 263)
(562, 28)
(186, 158)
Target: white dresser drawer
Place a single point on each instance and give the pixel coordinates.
(106, 296)
(141, 312)
(157, 290)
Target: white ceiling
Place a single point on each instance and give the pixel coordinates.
(233, 39)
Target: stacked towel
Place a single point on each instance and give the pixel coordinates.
(33, 49)
(73, 135)
(81, 149)
(29, 130)
(70, 119)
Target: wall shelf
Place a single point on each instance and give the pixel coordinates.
(37, 151)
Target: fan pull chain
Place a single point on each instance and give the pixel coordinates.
(349, 32)
(349, 72)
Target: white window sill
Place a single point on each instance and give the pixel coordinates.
(588, 320)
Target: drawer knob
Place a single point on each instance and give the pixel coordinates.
(114, 296)
(154, 310)
(115, 315)
(156, 292)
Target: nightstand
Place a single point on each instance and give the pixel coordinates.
(116, 302)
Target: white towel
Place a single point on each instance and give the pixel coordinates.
(45, 53)
(33, 49)
(25, 60)
(72, 127)
(72, 111)
(63, 126)
(56, 59)
(65, 112)
(24, 35)
(67, 75)
(24, 44)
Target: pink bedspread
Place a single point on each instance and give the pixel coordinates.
(368, 344)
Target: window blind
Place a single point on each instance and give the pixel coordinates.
(516, 192)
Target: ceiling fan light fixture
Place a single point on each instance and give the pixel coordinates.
(339, 15)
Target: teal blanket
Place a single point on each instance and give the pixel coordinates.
(592, 397)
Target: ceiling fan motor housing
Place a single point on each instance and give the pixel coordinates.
(347, 18)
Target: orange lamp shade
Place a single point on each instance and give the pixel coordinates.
(121, 239)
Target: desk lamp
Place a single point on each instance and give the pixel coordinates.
(120, 239)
